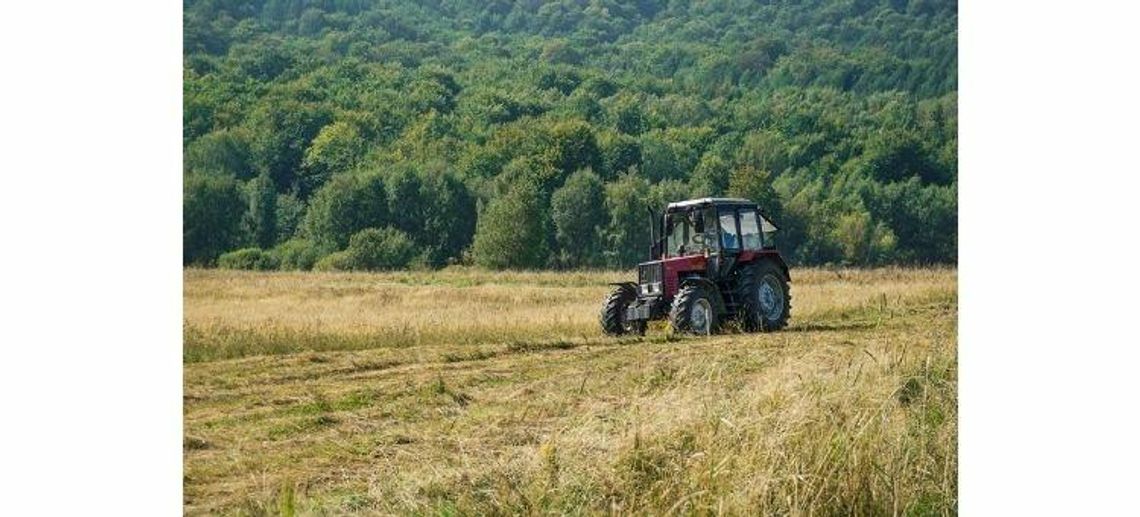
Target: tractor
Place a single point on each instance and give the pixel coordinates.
(712, 261)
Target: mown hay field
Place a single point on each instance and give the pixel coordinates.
(472, 392)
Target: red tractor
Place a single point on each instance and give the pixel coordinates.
(713, 262)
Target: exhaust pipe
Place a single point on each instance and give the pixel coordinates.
(653, 240)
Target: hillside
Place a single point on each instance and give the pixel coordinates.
(533, 134)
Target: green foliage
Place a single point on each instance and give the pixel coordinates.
(223, 153)
(512, 232)
(337, 148)
(282, 130)
(628, 117)
(579, 214)
(627, 234)
(337, 261)
(572, 147)
(375, 249)
(924, 218)
(290, 215)
(262, 220)
(750, 183)
(619, 153)
(711, 176)
(862, 241)
(212, 210)
(344, 206)
(663, 193)
(840, 117)
(248, 258)
(434, 209)
(296, 254)
(448, 223)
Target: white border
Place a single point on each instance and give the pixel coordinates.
(90, 377)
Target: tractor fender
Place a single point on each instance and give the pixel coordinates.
(632, 285)
(709, 286)
(775, 257)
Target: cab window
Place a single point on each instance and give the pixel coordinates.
(769, 231)
(749, 230)
(690, 233)
(729, 237)
(676, 241)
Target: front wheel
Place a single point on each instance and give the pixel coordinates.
(692, 311)
(613, 313)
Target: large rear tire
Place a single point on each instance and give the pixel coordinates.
(693, 311)
(766, 299)
(613, 313)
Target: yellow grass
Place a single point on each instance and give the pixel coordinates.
(471, 392)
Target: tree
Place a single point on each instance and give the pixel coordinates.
(262, 61)
(711, 176)
(627, 234)
(579, 215)
(262, 220)
(449, 223)
(406, 203)
(924, 218)
(433, 208)
(282, 131)
(861, 240)
(212, 210)
(338, 147)
(764, 150)
(833, 105)
(290, 215)
(665, 192)
(756, 185)
(619, 153)
(380, 248)
(573, 146)
(344, 206)
(311, 22)
(627, 116)
(511, 232)
(898, 156)
(248, 258)
(296, 254)
(223, 153)
(533, 171)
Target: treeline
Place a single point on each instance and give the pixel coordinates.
(347, 134)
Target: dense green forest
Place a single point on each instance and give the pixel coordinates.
(353, 134)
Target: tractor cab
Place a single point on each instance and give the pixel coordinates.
(709, 226)
(712, 245)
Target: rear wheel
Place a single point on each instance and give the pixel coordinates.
(765, 296)
(613, 313)
(692, 311)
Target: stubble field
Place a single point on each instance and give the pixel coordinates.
(471, 392)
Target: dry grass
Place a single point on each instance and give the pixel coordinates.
(467, 392)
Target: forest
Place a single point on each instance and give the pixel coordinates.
(533, 134)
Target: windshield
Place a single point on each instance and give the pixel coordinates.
(769, 231)
(690, 233)
(749, 230)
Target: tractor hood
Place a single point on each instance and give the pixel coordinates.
(660, 277)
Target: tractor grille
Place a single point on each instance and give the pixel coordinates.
(649, 278)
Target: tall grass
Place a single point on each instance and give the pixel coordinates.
(230, 314)
(851, 410)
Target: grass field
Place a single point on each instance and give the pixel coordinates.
(471, 392)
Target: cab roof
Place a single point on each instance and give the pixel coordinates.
(716, 201)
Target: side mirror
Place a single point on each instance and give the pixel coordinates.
(655, 251)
